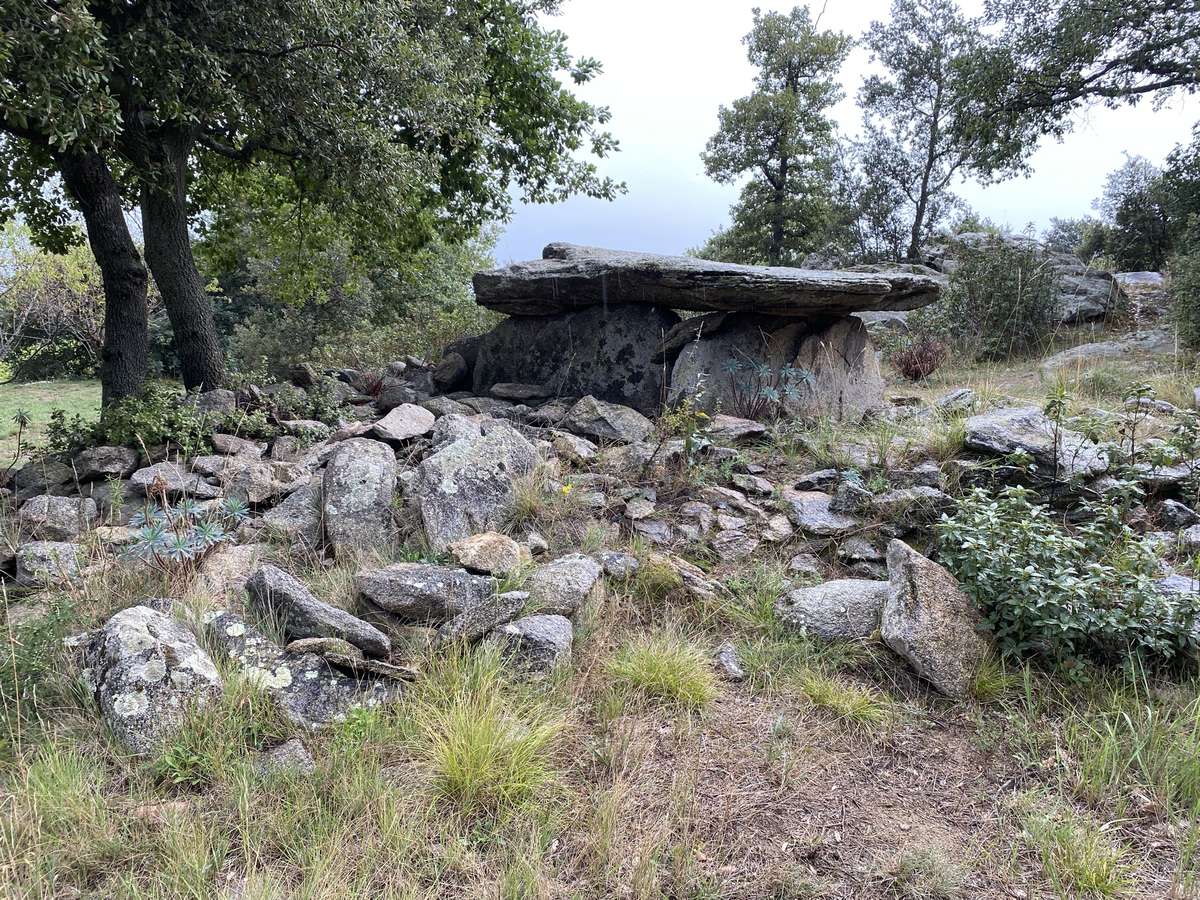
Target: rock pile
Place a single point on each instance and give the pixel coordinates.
(603, 322)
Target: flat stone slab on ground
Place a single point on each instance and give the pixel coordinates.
(571, 277)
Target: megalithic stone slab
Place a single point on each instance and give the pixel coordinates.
(573, 277)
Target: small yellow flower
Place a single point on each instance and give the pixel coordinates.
(566, 489)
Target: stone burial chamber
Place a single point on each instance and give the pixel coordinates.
(759, 339)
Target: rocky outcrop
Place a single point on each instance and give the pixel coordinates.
(420, 593)
(357, 491)
(603, 351)
(467, 486)
(572, 277)
(930, 622)
(1059, 452)
(146, 670)
(535, 644)
(836, 610)
(56, 518)
(607, 421)
(786, 368)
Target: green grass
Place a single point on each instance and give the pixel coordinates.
(38, 399)
(1078, 858)
(665, 668)
(922, 873)
(854, 706)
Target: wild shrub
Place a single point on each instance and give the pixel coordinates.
(920, 358)
(1185, 288)
(1066, 595)
(1001, 301)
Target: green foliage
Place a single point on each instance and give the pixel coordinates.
(1077, 856)
(1088, 593)
(1001, 301)
(664, 668)
(154, 417)
(179, 536)
(1135, 234)
(761, 392)
(1185, 286)
(782, 135)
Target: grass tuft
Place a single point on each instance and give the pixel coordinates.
(666, 668)
(855, 706)
(1077, 857)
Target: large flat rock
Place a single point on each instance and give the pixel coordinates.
(572, 277)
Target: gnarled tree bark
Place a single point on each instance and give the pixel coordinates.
(123, 361)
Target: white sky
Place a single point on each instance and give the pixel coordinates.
(669, 64)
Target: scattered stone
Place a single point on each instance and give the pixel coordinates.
(290, 757)
(846, 609)
(1175, 515)
(298, 517)
(851, 498)
(536, 644)
(618, 565)
(731, 545)
(753, 484)
(607, 421)
(451, 373)
(777, 530)
(562, 586)
(811, 512)
(467, 486)
(404, 423)
(732, 430)
(930, 622)
(912, 505)
(490, 553)
(537, 544)
(41, 563)
(145, 670)
(56, 518)
(357, 492)
(105, 462)
(444, 406)
(807, 564)
(226, 568)
(473, 624)
(573, 448)
(232, 445)
(656, 531)
(44, 476)
(821, 480)
(1028, 430)
(309, 691)
(275, 592)
(1152, 342)
(517, 392)
(170, 478)
(306, 429)
(959, 400)
(326, 647)
(728, 663)
(419, 593)
(638, 508)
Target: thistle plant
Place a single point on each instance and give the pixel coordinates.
(760, 392)
(170, 537)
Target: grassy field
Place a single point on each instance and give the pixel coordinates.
(39, 399)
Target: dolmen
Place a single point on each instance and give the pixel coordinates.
(759, 339)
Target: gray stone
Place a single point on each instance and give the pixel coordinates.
(732, 430)
(851, 498)
(226, 568)
(309, 691)
(572, 448)
(42, 563)
(357, 491)
(835, 372)
(731, 545)
(811, 512)
(604, 421)
(172, 479)
(913, 505)
(959, 400)
(1154, 342)
(562, 586)
(806, 564)
(253, 481)
(145, 671)
(490, 553)
(535, 644)
(451, 373)
(1174, 515)
(404, 423)
(467, 486)
(232, 445)
(307, 429)
(728, 663)
(105, 462)
(298, 517)
(43, 476)
(603, 351)
(618, 565)
(278, 593)
(473, 624)
(518, 392)
(1029, 430)
(56, 518)
(444, 406)
(571, 277)
(331, 648)
(420, 593)
(846, 609)
(754, 484)
(219, 402)
(290, 757)
(930, 622)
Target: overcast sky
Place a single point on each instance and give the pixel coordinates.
(669, 64)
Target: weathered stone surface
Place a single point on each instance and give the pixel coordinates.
(253, 481)
(1173, 514)
(404, 423)
(914, 505)
(536, 644)
(48, 562)
(605, 352)
(298, 516)
(930, 622)
(290, 757)
(227, 567)
(42, 476)
(357, 491)
(519, 392)
(573, 448)
(217, 402)
(562, 586)
(604, 421)
(618, 565)
(331, 648)
(570, 277)
(56, 518)
(420, 593)
(728, 663)
(489, 553)
(811, 512)
(451, 373)
(1153, 342)
(232, 445)
(733, 544)
(276, 592)
(732, 430)
(145, 669)
(174, 480)
(105, 462)
(444, 406)
(1027, 429)
(845, 609)
(309, 691)
(467, 486)
(835, 372)
(473, 624)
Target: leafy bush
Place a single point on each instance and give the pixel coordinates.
(1185, 287)
(920, 358)
(1065, 595)
(759, 391)
(1001, 301)
(155, 416)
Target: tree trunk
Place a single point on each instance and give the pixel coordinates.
(169, 253)
(775, 249)
(123, 358)
(918, 226)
